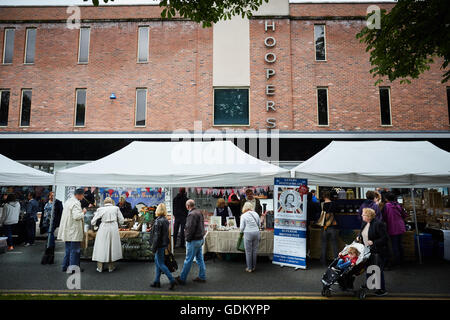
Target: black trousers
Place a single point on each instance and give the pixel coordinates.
(179, 223)
(30, 231)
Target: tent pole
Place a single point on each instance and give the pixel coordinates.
(417, 228)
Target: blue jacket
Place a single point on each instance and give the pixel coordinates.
(32, 209)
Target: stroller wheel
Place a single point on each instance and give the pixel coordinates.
(362, 294)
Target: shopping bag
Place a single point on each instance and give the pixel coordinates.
(240, 244)
(170, 262)
(321, 221)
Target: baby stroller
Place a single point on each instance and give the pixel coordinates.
(345, 278)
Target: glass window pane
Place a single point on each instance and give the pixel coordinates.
(4, 108)
(141, 102)
(26, 108)
(143, 44)
(231, 107)
(8, 46)
(81, 107)
(31, 45)
(322, 104)
(84, 45)
(319, 40)
(385, 106)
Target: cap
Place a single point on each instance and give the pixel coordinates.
(79, 191)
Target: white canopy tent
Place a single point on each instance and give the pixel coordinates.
(13, 173)
(174, 164)
(415, 164)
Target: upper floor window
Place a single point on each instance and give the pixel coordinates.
(25, 108)
(141, 107)
(143, 42)
(30, 45)
(4, 107)
(385, 106)
(322, 106)
(319, 42)
(8, 46)
(83, 45)
(231, 106)
(80, 108)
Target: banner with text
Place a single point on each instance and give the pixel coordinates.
(289, 248)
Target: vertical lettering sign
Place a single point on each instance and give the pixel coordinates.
(270, 58)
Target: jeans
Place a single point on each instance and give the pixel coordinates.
(329, 232)
(177, 224)
(343, 265)
(30, 230)
(7, 229)
(161, 267)
(194, 250)
(72, 256)
(251, 243)
(397, 248)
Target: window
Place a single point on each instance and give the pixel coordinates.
(385, 106)
(231, 107)
(80, 108)
(141, 107)
(322, 106)
(8, 46)
(319, 41)
(30, 45)
(4, 107)
(448, 103)
(25, 109)
(83, 45)
(143, 44)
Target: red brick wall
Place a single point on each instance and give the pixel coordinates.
(179, 74)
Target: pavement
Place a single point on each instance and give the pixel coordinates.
(21, 272)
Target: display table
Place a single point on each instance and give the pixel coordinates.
(226, 241)
(135, 245)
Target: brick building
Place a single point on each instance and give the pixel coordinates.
(78, 94)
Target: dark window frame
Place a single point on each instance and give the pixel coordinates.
(381, 106)
(7, 107)
(139, 47)
(21, 108)
(136, 125)
(27, 46)
(88, 44)
(319, 107)
(75, 120)
(4, 45)
(216, 123)
(324, 42)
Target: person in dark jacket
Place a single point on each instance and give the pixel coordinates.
(125, 208)
(180, 212)
(194, 233)
(329, 229)
(32, 208)
(235, 207)
(160, 242)
(370, 203)
(250, 197)
(44, 224)
(374, 234)
(89, 199)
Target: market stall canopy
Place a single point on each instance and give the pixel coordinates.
(174, 164)
(395, 164)
(13, 173)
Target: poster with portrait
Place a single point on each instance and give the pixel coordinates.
(289, 248)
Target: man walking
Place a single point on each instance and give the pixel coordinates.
(71, 229)
(180, 212)
(32, 208)
(194, 233)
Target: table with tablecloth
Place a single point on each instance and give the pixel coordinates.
(226, 241)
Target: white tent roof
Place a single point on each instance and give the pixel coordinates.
(378, 163)
(174, 164)
(13, 173)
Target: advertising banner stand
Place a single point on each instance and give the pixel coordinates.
(289, 247)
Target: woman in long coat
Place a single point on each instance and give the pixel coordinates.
(107, 247)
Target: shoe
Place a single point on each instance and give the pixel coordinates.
(27, 245)
(199, 280)
(111, 270)
(248, 270)
(99, 270)
(10, 248)
(172, 285)
(155, 285)
(381, 293)
(179, 281)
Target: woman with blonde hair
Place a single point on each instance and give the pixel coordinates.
(222, 210)
(159, 243)
(250, 223)
(107, 246)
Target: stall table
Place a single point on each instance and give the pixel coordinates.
(226, 241)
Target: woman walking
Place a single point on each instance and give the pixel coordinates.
(250, 227)
(107, 247)
(160, 242)
(329, 229)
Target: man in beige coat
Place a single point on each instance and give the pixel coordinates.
(71, 229)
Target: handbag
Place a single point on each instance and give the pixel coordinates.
(169, 261)
(321, 221)
(240, 244)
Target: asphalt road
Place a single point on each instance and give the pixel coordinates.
(21, 272)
